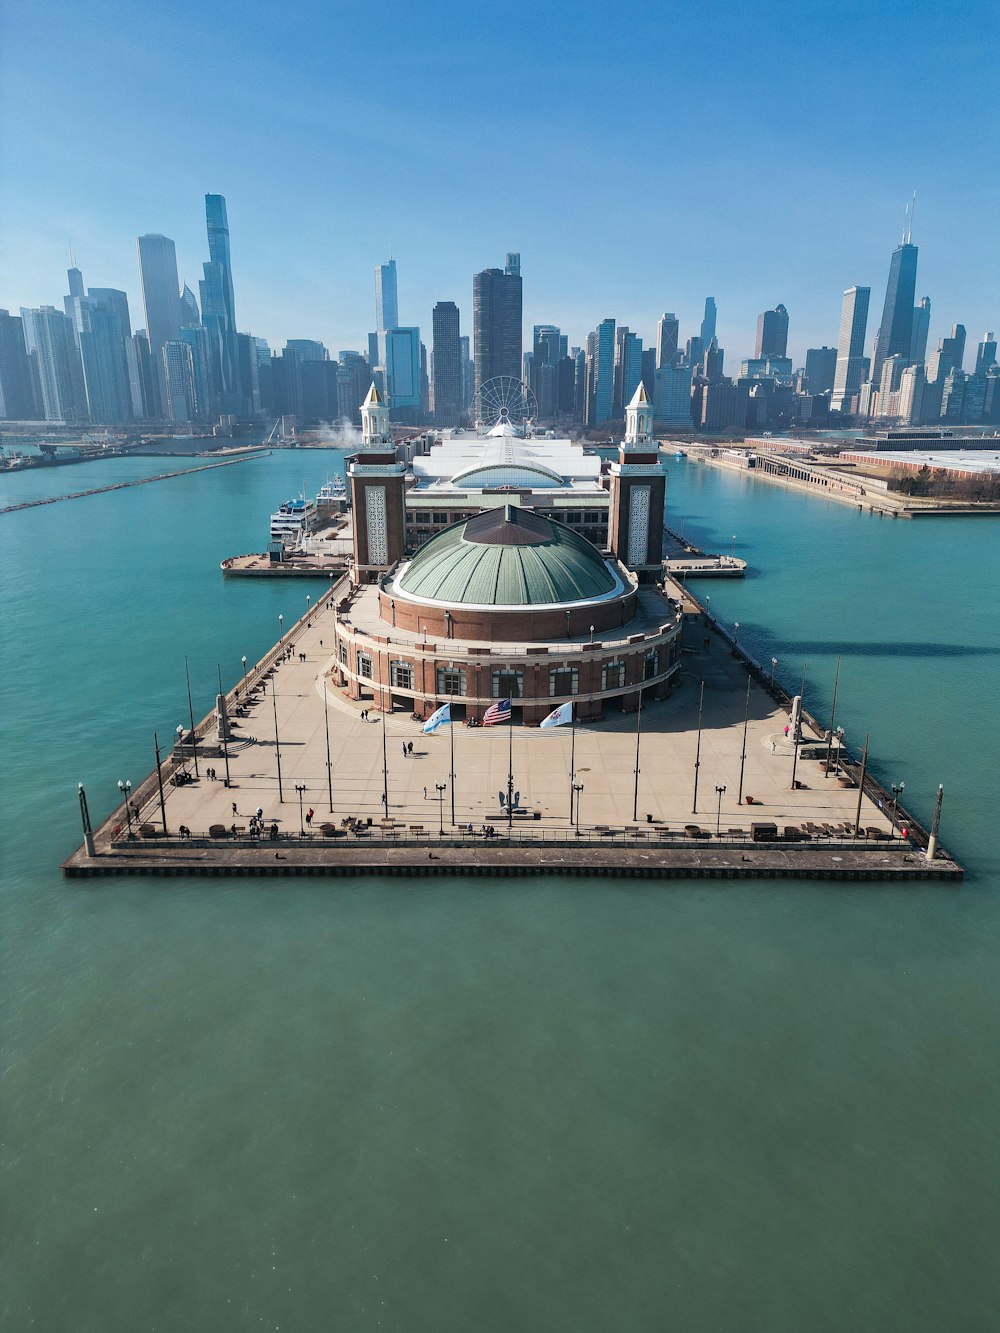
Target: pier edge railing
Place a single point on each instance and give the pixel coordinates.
(873, 789)
(145, 799)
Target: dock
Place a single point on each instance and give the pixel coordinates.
(734, 800)
(683, 559)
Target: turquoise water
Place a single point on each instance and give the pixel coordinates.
(537, 1105)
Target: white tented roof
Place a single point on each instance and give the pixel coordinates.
(469, 462)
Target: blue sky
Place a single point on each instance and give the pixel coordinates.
(638, 159)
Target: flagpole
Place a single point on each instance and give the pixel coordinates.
(743, 756)
(510, 769)
(451, 736)
(638, 724)
(385, 769)
(572, 758)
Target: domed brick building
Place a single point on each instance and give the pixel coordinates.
(507, 603)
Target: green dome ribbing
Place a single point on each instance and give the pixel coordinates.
(508, 557)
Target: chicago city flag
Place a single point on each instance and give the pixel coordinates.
(438, 719)
(498, 712)
(558, 717)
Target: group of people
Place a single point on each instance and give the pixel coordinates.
(211, 775)
(256, 829)
(407, 748)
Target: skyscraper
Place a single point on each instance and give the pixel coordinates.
(113, 299)
(821, 368)
(772, 332)
(921, 328)
(160, 291)
(190, 314)
(496, 321)
(402, 373)
(447, 364)
(667, 340)
(850, 347)
(218, 307)
(48, 337)
(986, 354)
(628, 367)
(468, 371)
(17, 398)
(895, 333)
(673, 393)
(947, 356)
(708, 322)
(386, 301)
(600, 372)
(178, 378)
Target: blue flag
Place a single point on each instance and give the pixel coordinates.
(438, 719)
(558, 717)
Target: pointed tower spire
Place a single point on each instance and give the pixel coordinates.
(374, 420)
(639, 418)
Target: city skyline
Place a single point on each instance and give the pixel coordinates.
(304, 248)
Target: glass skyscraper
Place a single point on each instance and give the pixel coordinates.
(851, 347)
(896, 330)
(708, 323)
(218, 307)
(160, 291)
(447, 364)
(496, 322)
(386, 300)
(772, 332)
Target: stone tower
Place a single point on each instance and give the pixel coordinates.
(638, 492)
(377, 495)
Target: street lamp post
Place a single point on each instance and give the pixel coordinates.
(578, 788)
(194, 737)
(300, 788)
(243, 659)
(225, 725)
(774, 663)
(440, 788)
(897, 791)
(697, 753)
(591, 634)
(88, 832)
(126, 790)
(839, 734)
(736, 639)
(720, 791)
(833, 719)
(281, 626)
(277, 741)
(708, 606)
(159, 783)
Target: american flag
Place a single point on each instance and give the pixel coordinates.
(498, 712)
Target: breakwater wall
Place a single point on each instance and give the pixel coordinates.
(122, 485)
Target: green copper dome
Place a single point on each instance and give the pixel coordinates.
(508, 557)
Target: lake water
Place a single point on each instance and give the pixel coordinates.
(536, 1104)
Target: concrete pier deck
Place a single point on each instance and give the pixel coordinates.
(355, 833)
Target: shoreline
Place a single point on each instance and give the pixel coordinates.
(881, 503)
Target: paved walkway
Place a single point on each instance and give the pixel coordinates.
(605, 760)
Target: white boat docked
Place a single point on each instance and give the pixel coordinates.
(332, 492)
(292, 519)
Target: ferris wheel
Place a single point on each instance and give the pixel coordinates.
(504, 399)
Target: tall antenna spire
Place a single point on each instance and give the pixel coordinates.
(909, 230)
